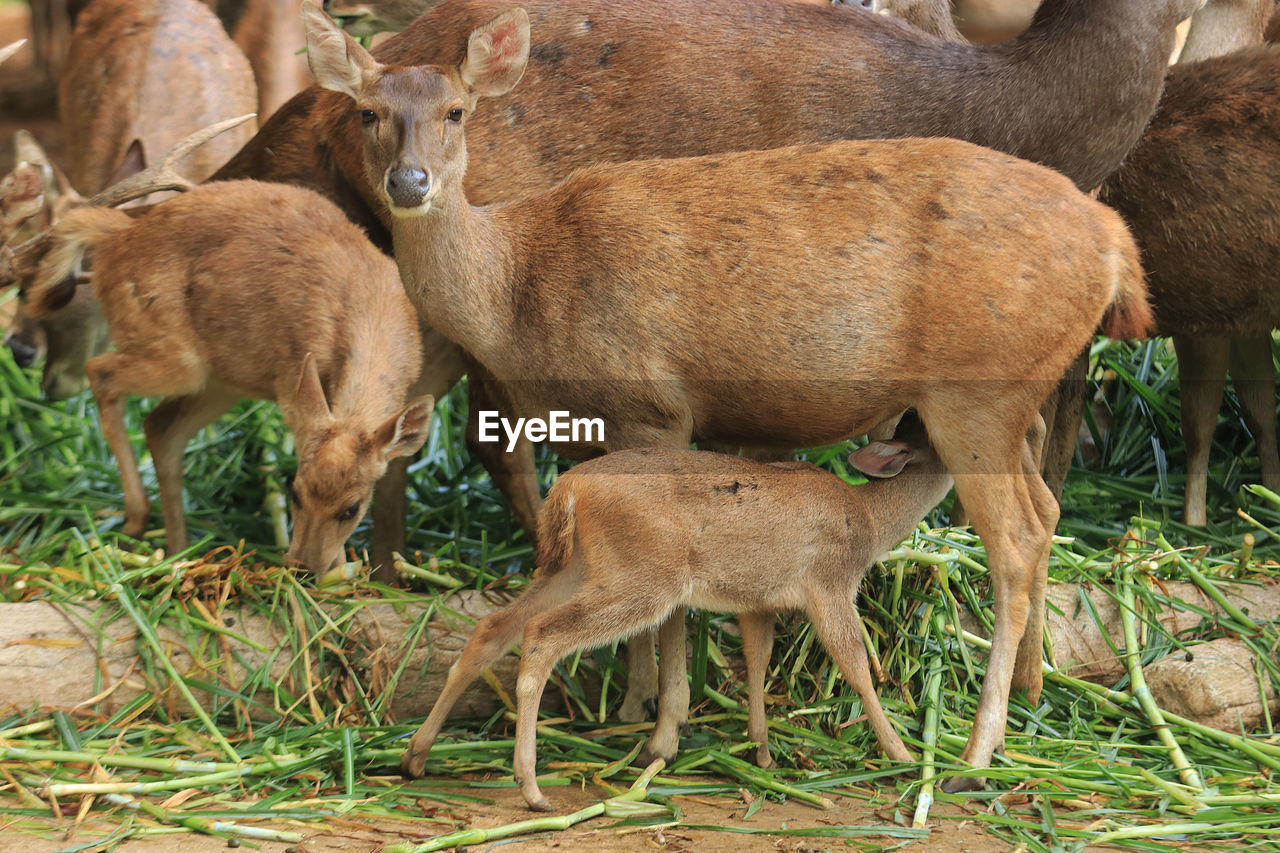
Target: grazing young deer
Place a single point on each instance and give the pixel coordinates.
(772, 298)
(629, 538)
(242, 289)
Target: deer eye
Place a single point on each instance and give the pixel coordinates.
(454, 114)
(350, 512)
(368, 117)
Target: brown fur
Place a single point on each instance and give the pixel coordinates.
(270, 34)
(1202, 195)
(1224, 26)
(146, 70)
(152, 70)
(241, 289)
(615, 82)
(628, 538)
(622, 89)
(765, 298)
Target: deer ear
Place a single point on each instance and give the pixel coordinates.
(881, 458)
(336, 59)
(21, 194)
(135, 160)
(309, 400)
(496, 55)
(404, 433)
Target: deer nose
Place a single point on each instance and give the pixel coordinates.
(24, 355)
(408, 186)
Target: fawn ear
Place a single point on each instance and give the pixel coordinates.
(496, 55)
(135, 160)
(336, 59)
(406, 431)
(881, 458)
(309, 399)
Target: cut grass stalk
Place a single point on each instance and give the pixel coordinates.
(1140, 691)
(614, 805)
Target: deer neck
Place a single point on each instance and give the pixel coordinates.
(882, 513)
(457, 263)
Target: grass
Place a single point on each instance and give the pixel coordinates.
(312, 741)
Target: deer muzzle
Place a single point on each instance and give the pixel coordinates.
(409, 190)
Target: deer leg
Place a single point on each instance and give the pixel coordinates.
(1254, 375)
(1028, 670)
(442, 367)
(1202, 371)
(113, 377)
(987, 460)
(493, 636)
(513, 473)
(673, 690)
(757, 648)
(168, 429)
(1063, 413)
(390, 505)
(835, 618)
(581, 622)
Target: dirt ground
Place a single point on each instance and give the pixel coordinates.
(951, 830)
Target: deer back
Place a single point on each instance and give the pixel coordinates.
(152, 70)
(613, 83)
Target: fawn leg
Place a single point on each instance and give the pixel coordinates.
(757, 648)
(113, 376)
(835, 618)
(493, 636)
(588, 619)
(168, 429)
(673, 691)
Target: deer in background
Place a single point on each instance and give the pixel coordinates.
(630, 538)
(1199, 192)
(660, 296)
(270, 34)
(125, 82)
(241, 289)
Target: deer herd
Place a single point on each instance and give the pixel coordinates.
(755, 224)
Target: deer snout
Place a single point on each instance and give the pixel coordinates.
(409, 189)
(24, 355)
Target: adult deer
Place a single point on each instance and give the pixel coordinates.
(660, 296)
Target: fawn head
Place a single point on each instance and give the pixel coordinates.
(910, 445)
(338, 464)
(56, 313)
(412, 117)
